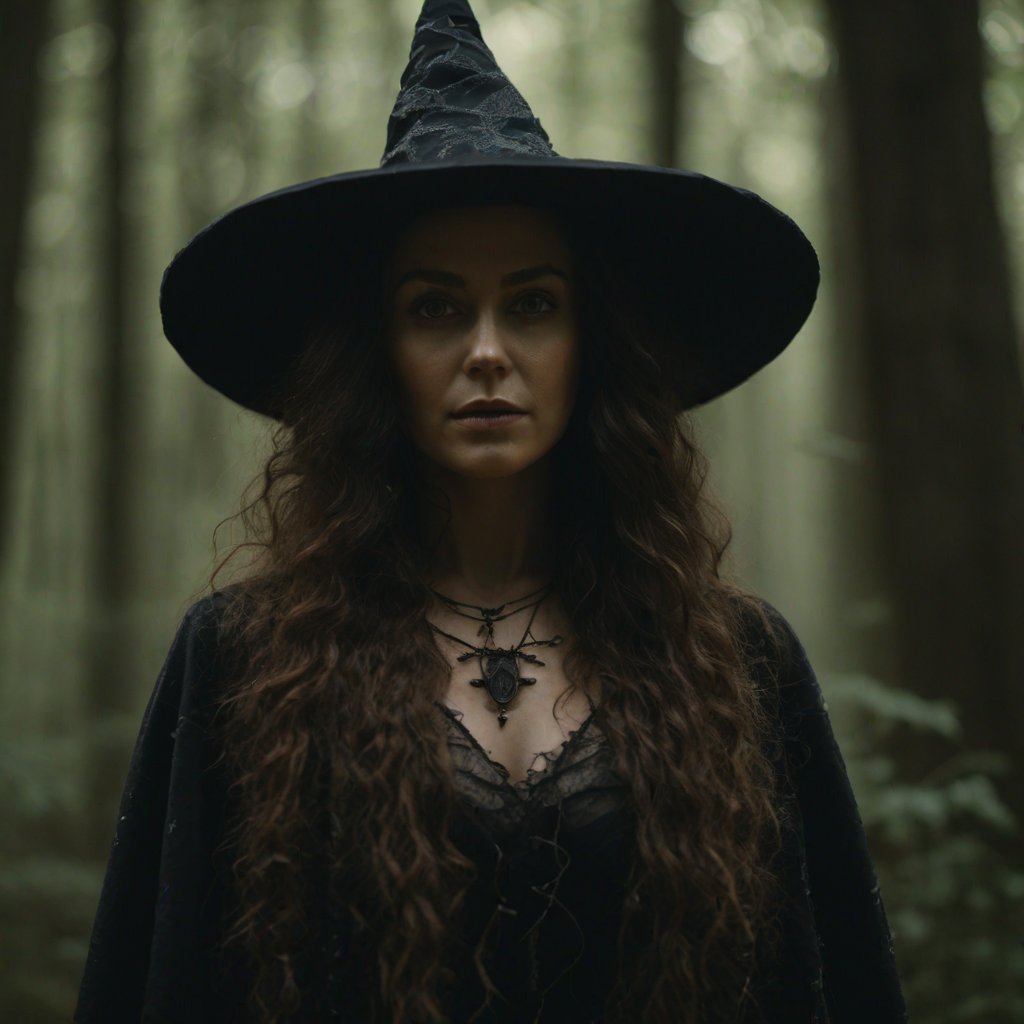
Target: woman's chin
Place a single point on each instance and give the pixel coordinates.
(494, 469)
(489, 466)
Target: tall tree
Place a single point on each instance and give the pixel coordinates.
(311, 33)
(23, 28)
(665, 45)
(107, 693)
(214, 119)
(933, 319)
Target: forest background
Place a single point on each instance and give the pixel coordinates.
(874, 473)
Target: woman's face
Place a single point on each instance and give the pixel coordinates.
(480, 307)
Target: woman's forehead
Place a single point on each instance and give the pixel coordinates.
(473, 233)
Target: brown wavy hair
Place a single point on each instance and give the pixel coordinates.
(339, 770)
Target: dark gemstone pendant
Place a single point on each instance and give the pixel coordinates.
(501, 676)
(502, 679)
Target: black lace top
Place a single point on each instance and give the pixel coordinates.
(553, 853)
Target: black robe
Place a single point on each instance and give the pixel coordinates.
(153, 953)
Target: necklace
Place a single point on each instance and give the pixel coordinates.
(492, 615)
(499, 666)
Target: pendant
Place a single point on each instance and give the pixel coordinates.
(502, 679)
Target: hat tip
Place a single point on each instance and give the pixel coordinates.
(434, 9)
(454, 100)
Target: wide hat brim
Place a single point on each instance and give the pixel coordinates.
(736, 274)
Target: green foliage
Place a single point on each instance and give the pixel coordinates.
(40, 780)
(941, 843)
(46, 904)
(48, 891)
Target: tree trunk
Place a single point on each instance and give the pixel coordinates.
(310, 142)
(109, 697)
(933, 320)
(214, 113)
(23, 28)
(665, 45)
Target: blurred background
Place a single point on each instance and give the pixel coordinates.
(874, 473)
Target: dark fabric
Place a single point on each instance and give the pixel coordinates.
(455, 100)
(150, 957)
(554, 849)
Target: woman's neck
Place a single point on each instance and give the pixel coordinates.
(497, 545)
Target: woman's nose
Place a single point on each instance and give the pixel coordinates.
(486, 346)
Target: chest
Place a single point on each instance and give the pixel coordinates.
(539, 717)
(536, 725)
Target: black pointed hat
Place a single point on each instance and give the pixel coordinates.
(236, 301)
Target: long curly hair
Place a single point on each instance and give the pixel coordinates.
(339, 771)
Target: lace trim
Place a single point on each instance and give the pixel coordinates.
(551, 757)
(578, 776)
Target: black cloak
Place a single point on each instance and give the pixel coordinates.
(153, 954)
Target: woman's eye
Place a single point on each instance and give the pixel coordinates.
(437, 307)
(432, 307)
(533, 303)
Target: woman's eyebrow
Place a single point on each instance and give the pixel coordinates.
(521, 276)
(449, 280)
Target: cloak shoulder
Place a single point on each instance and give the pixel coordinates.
(159, 909)
(856, 962)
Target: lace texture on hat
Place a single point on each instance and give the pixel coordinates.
(456, 102)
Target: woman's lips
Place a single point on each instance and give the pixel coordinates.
(502, 419)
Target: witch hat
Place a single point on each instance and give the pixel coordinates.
(237, 300)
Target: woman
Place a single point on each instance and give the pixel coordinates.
(483, 537)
